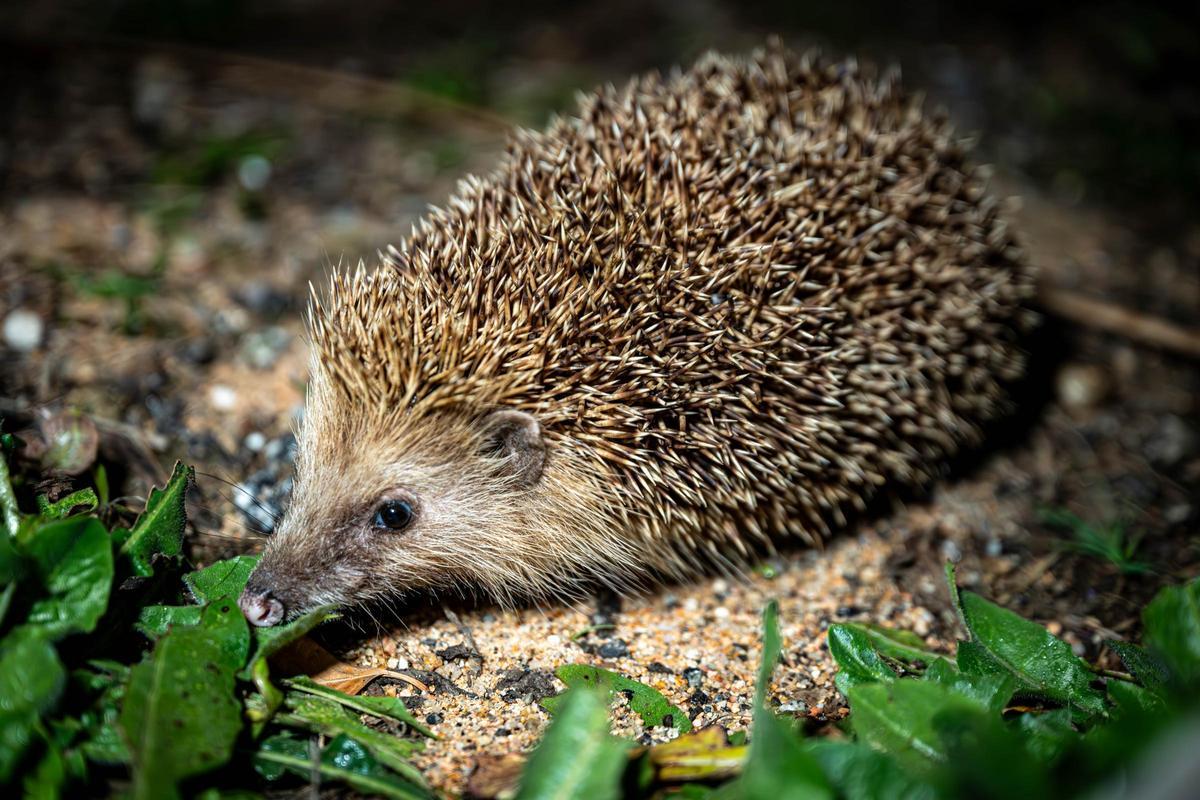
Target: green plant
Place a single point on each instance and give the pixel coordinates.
(120, 666)
(1014, 714)
(1109, 541)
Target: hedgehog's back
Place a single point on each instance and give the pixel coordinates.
(767, 286)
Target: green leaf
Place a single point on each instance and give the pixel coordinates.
(646, 701)
(1003, 643)
(856, 658)
(325, 716)
(62, 508)
(991, 691)
(47, 779)
(1150, 671)
(1047, 735)
(986, 758)
(387, 707)
(778, 766)
(344, 760)
(772, 648)
(704, 755)
(154, 621)
(74, 560)
(31, 682)
(101, 732)
(223, 578)
(180, 716)
(904, 646)
(159, 530)
(897, 718)
(1130, 696)
(856, 770)
(1172, 623)
(577, 757)
(268, 641)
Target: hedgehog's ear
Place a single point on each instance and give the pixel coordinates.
(515, 437)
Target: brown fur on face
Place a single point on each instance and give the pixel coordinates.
(714, 309)
(492, 509)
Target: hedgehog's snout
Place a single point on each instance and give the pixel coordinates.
(262, 608)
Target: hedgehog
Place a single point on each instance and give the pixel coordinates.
(712, 312)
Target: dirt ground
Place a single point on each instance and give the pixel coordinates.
(163, 209)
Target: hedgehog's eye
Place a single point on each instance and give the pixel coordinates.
(393, 515)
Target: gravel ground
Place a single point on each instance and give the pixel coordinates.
(207, 363)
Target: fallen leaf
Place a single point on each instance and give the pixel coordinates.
(306, 657)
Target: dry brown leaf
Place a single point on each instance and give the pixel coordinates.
(306, 657)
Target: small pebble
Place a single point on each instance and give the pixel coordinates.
(1080, 386)
(721, 612)
(254, 441)
(253, 172)
(222, 397)
(613, 648)
(694, 677)
(22, 330)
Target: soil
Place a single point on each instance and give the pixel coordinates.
(163, 208)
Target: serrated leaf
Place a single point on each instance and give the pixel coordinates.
(645, 701)
(180, 716)
(577, 757)
(343, 760)
(62, 508)
(1172, 623)
(857, 660)
(73, 559)
(31, 682)
(223, 578)
(1149, 670)
(1003, 643)
(159, 530)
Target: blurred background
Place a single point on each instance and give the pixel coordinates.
(172, 174)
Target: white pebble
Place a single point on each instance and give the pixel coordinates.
(393, 663)
(401, 663)
(554, 640)
(721, 612)
(253, 172)
(222, 397)
(254, 441)
(23, 330)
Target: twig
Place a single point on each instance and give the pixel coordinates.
(1111, 318)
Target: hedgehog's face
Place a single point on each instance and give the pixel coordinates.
(432, 505)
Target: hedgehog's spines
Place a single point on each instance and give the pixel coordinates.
(756, 290)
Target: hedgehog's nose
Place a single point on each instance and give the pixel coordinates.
(261, 608)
